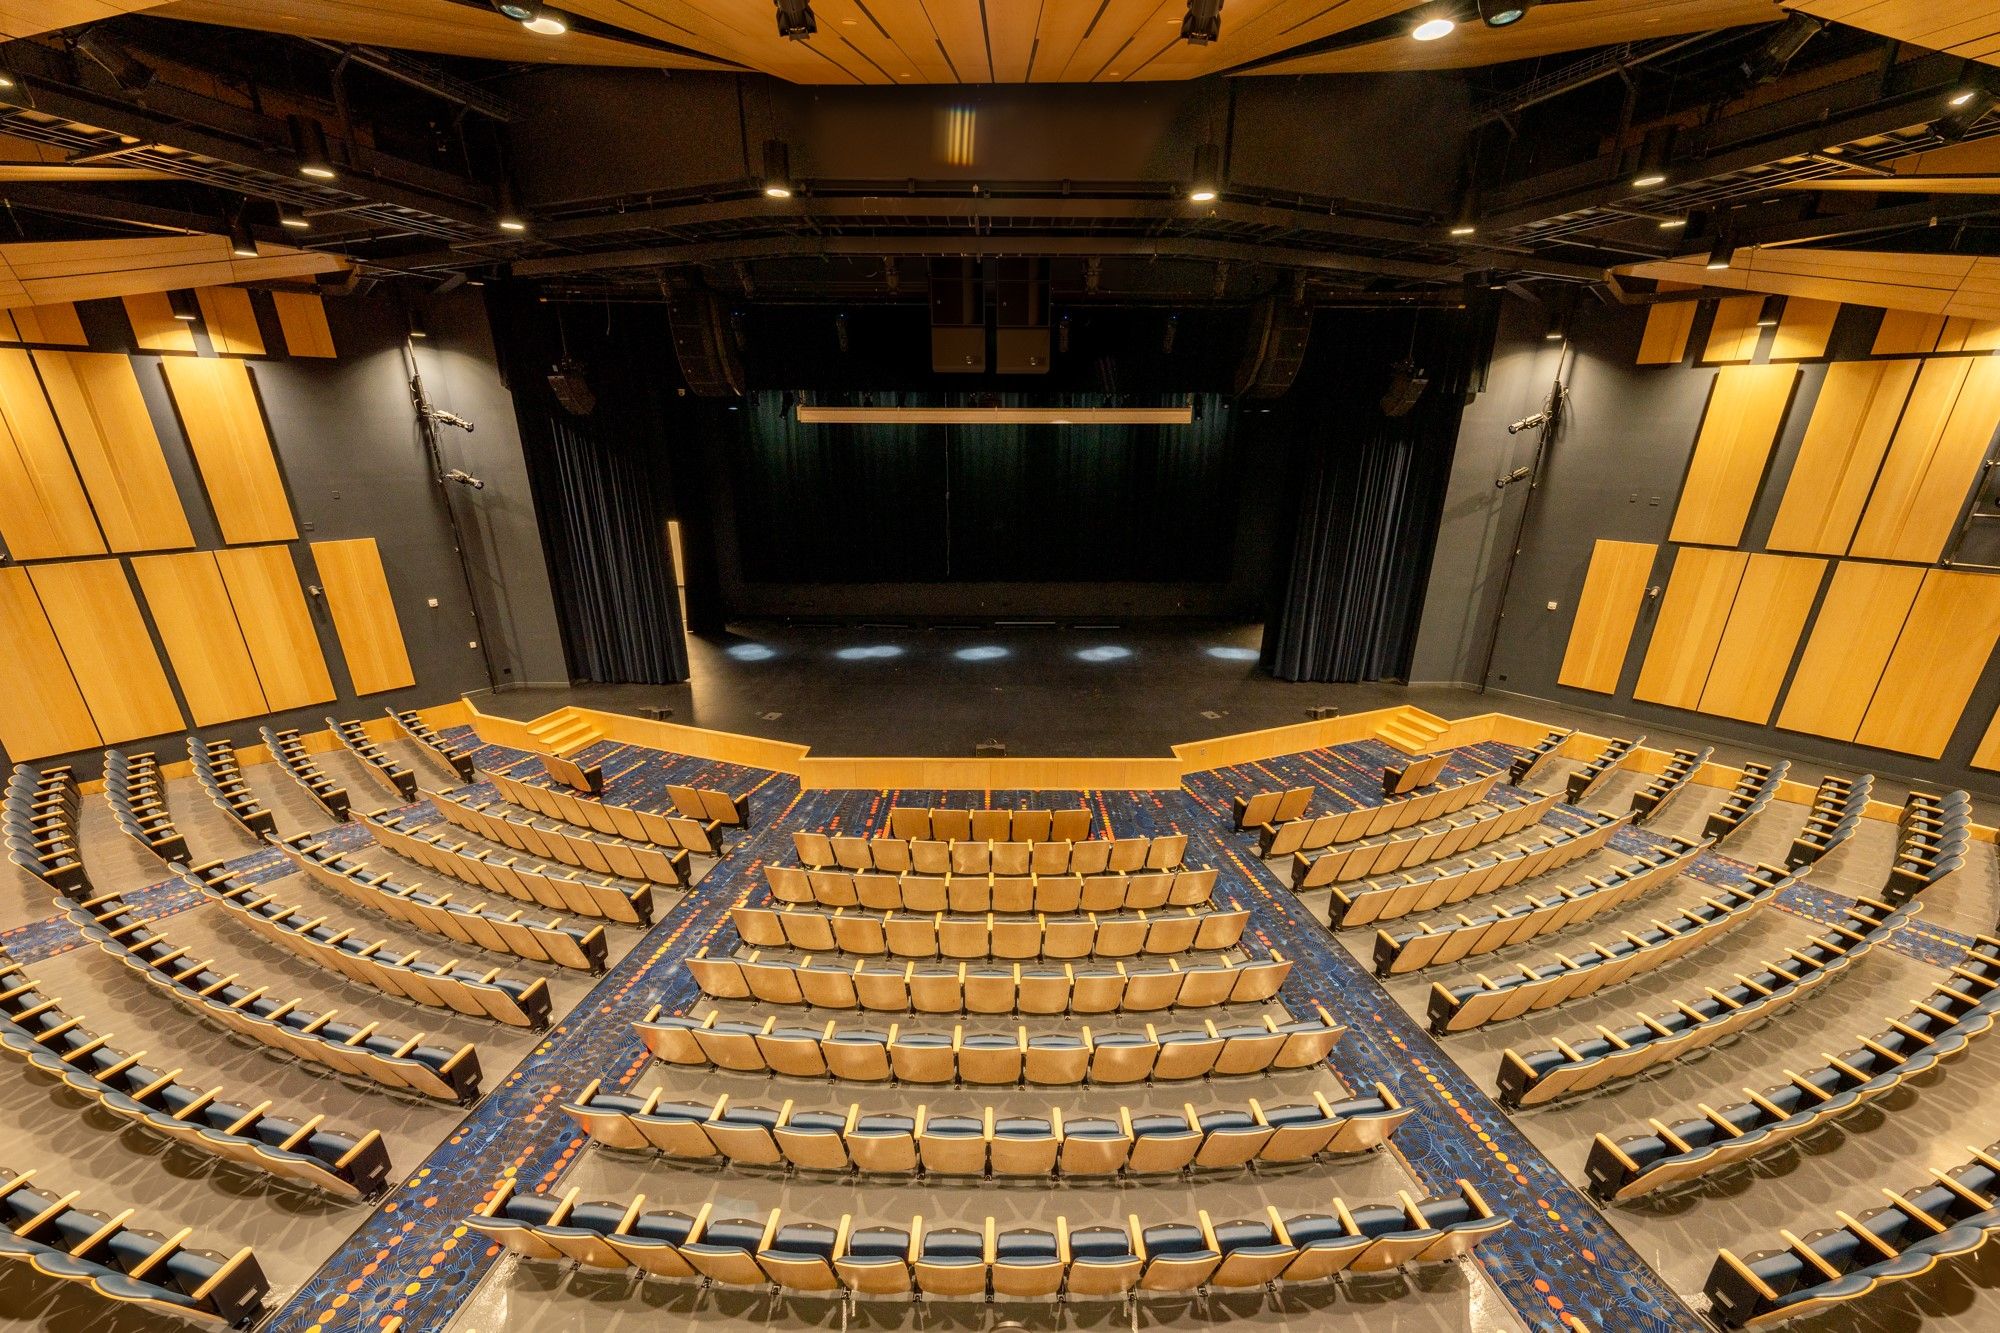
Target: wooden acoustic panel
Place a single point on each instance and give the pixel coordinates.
(1850, 645)
(1925, 284)
(364, 615)
(1932, 462)
(1943, 649)
(231, 321)
(191, 608)
(1987, 756)
(110, 652)
(277, 627)
(1745, 409)
(1606, 611)
(1854, 419)
(1734, 334)
(302, 319)
(225, 429)
(1766, 620)
(154, 326)
(103, 415)
(41, 710)
(48, 325)
(1668, 324)
(1693, 616)
(1965, 28)
(1804, 330)
(1963, 334)
(44, 513)
(1907, 333)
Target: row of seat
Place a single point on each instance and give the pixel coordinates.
(1080, 1263)
(537, 939)
(934, 856)
(1670, 1152)
(1545, 1075)
(451, 984)
(1443, 883)
(942, 935)
(1525, 762)
(1418, 773)
(1933, 833)
(1668, 783)
(1755, 788)
(1459, 833)
(457, 757)
(1951, 1215)
(1054, 894)
(218, 773)
(949, 988)
(621, 821)
(1530, 989)
(1838, 808)
(138, 800)
(41, 823)
(1307, 833)
(1608, 761)
(34, 1026)
(552, 840)
(987, 1059)
(988, 1143)
(122, 1263)
(568, 890)
(288, 748)
(377, 762)
(1516, 923)
(918, 823)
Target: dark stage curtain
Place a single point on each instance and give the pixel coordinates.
(1370, 492)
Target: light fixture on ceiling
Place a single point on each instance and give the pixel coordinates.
(1203, 22)
(1974, 98)
(795, 19)
(1206, 183)
(1655, 151)
(1767, 317)
(1504, 13)
(536, 18)
(777, 169)
(1467, 221)
(1723, 251)
(242, 243)
(508, 217)
(6, 81)
(186, 309)
(1433, 28)
(1672, 224)
(417, 329)
(1465, 228)
(1768, 61)
(292, 218)
(309, 146)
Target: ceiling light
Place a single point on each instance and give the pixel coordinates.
(1672, 224)
(548, 23)
(1722, 252)
(241, 243)
(309, 146)
(1203, 23)
(795, 19)
(1504, 13)
(6, 82)
(1768, 61)
(417, 329)
(186, 309)
(1767, 323)
(1207, 180)
(1655, 150)
(1649, 179)
(509, 217)
(1962, 97)
(1432, 29)
(1465, 229)
(291, 217)
(1553, 336)
(1969, 104)
(777, 169)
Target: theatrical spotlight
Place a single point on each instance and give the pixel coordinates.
(795, 19)
(462, 477)
(1504, 13)
(1974, 98)
(1534, 422)
(1768, 61)
(1207, 180)
(777, 169)
(309, 146)
(1203, 22)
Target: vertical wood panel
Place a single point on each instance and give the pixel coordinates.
(154, 325)
(302, 319)
(1734, 334)
(1850, 645)
(1600, 633)
(103, 415)
(110, 653)
(1987, 756)
(357, 592)
(1964, 334)
(197, 624)
(231, 321)
(277, 628)
(1944, 647)
(1668, 324)
(1854, 419)
(1765, 622)
(41, 710)
(1744, 412)
(225, 429)
(44, 512)
(1804, 330)
(1907, 333)
(1689, 630)
(52, 325)
(1933, 461)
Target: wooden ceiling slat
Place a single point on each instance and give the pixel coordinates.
(1967, 28)
(1185, 61)
(25, 18)
(1967, 286)
(1058, 32)
(1101, 53)
(962, 30)
(894, 35)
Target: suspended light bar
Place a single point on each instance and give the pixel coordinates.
(997, 416)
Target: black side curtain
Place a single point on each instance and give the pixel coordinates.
(1371, 491)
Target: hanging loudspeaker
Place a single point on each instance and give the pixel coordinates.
(708, 358)
(1279, 330)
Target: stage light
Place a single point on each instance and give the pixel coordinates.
(508, 216)
(6, 82)
(1769, 60)
(1207, 180)
(1229, 654)
(777, 169)
(1109, 652)
(1672, 224)
(1969, 104)
(1465, 229)
(1432, 29)
(1203, 22)
(795, 19)
(242, 243)
(309, 146)
(751, 652)
(983, 653)
(548, 22)
(292, 218)
(416, 325)
(1655, 151)
(186, 309)
(1504, 13)
(1722, 252)
(868, 652)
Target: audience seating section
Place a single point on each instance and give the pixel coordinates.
(937, 935)
(577, 777)
(935, 856)
(137, 797)
(550, 839)
(915, 823)
(1459, 833)
(1932, 836)
(456, 757)
(1747, 799)
(1062, 894)
(1446, 882)
(1284, 837)
(1607, 762)
(1837, 810)
(216, 770)
(1681, 767)
(1402, 779)
(289, 749)
(574, 891)
(1525, 762)
(620, 821)
(377, 762)
(41, 821)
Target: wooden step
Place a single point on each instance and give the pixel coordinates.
(564, 732)
(1411, 733)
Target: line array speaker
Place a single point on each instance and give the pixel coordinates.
(1279, 331)
(708, 359)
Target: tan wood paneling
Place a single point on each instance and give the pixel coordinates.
(1926, 284)
(1907, 333)
(1804, 330)
(225, 429)
(110, 652)
(1606, 611)
(1968, 28)
(44, 513)
(231, 321)
(1939, 657)
(25, 18)
(277, 628)
(1933, 461)
(1859, 404)
(197, 624)
(50, 325)
(1744, 412)
(1733, 335)
(41, 273)
(1963, 334)
(302, 319)
(103, 416)
(364, 614)
(41, 710)
(1850, 644)
(1987, 756)
(1667, 327)
(1692, 617)
(1769, 614)
(154, 325)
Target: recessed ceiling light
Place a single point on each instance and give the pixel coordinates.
(1961, 99)
(1201, 196)
(1432, 29)
(1649, 180)
(1672, 224)
(547, 24)
(1464, 229)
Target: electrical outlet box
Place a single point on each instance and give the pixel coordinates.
(1552, 606)
(431, 602)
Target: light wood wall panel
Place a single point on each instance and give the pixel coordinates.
(1854, 419)
(1744, 411)
(154, 325)
(54, 325)
(1667, 327)
(1804, 330)
(1944, 646)
(110, 652)
(225, 429)
(1734, 334)
(302, 319)
(103, 415)
(1693, 616)
(1849, 647)
(1606, 611)
(364, 615)
(1933, 460)
(231, 321)
(41, 710)
(191, 608)
(1964, 334)
(277, 627)
(1907, 333)
(1769, 614)
(1987, 756)
(44, 513)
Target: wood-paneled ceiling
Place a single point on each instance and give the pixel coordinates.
(1967, 285)
(1968, 28)
(46, 272)
(25, 18)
